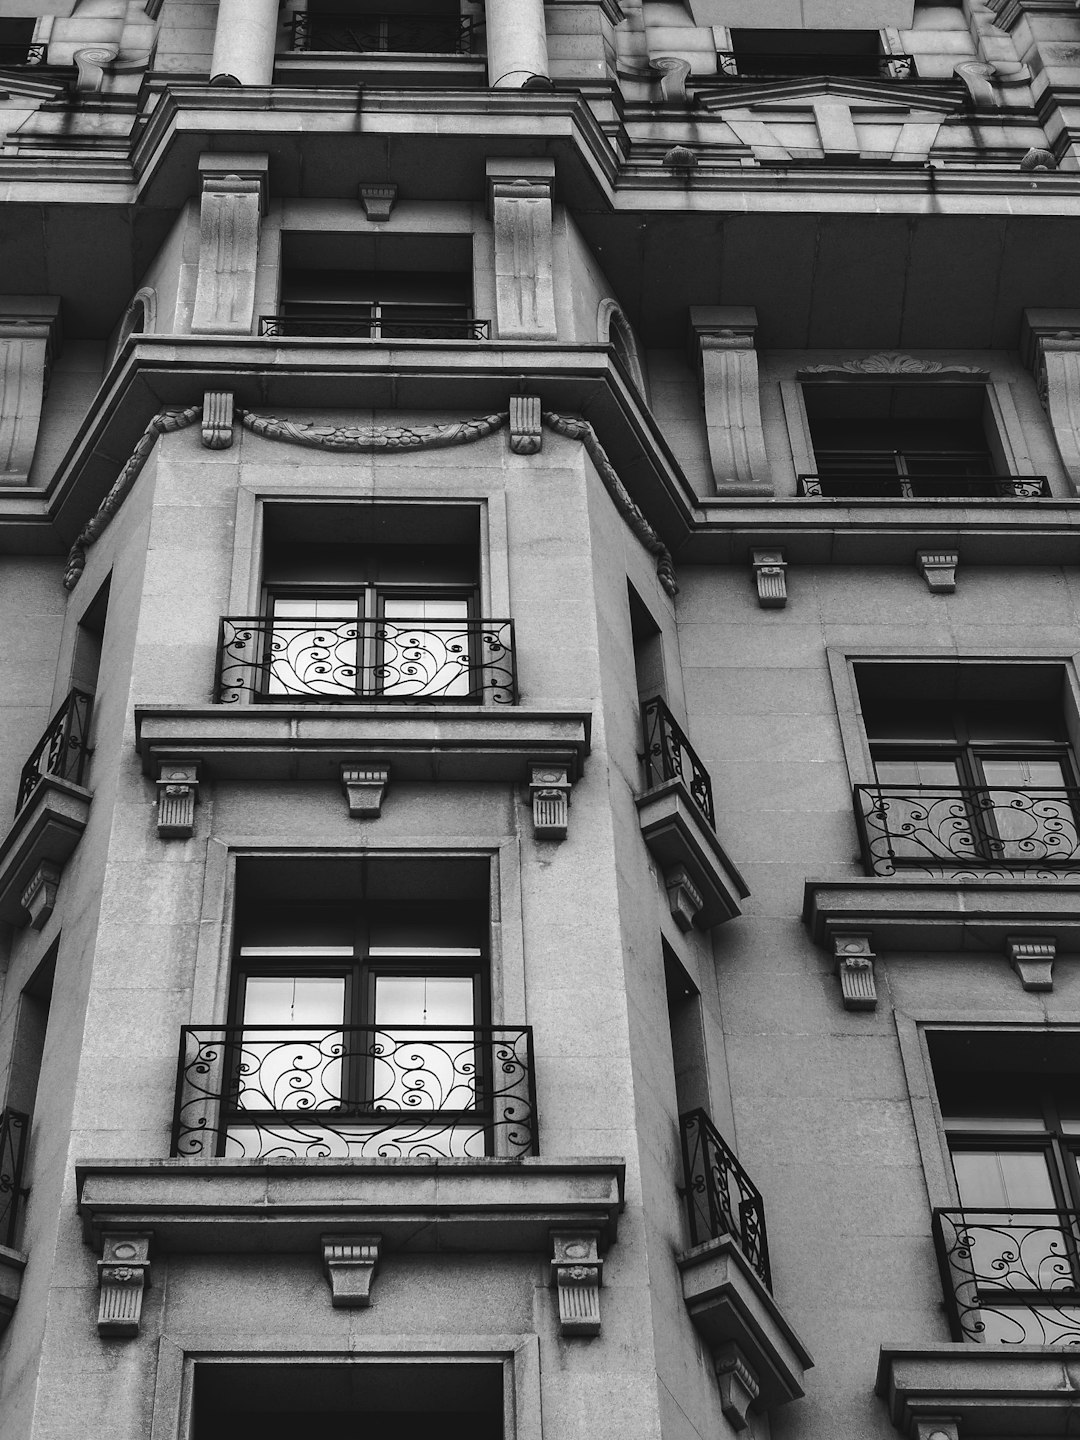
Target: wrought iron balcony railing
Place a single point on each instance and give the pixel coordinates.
(431, 328)
(1011, 1278)
(14, 1129)
(355, 1091)
(363, 34)
(721, 1199)
(270, 660)
(941, 830)
(20, 56)
(768, 65)
(670, 756)
(924, 487)
(61, 751)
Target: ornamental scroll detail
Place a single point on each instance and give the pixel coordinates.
(891, 364)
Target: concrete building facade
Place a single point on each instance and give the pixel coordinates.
(538, 634)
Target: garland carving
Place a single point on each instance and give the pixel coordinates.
(364, 439)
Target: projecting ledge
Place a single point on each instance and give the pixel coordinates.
(312, 742)
(679, 839)
(985, 1389)
(45, 832)
(223, 1205)
(928, 914)
(730, 1306)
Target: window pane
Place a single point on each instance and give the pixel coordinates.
(421, 1069)
(1047, 773)
(423, 1000)
(424, 647)
(1031, 819)
(905, 770)
(294, 1000)
(308, 658)
(298, 1068)
(1008, 1180)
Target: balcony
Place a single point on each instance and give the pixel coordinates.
(923, 487)
(298, 327)
(354, 1092)
(770, 65)
(14, 1129)
(670, 756)
(366, 34)
(61, 751)
(727, 1286)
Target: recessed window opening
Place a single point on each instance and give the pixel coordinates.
(378, 26)
(806, 52)
(16, 43)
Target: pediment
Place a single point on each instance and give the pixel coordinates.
(806, 91)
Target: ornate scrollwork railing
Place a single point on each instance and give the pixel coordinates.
(355, 1091)
(61, 751)
(20, 56)
(721, 1199)
(1010, 1279)
(670, 756)
(14, 1128)
(450, 327)
(361, 34)
(923, 487)
(943, 830)
(269, 660)
(768, 65)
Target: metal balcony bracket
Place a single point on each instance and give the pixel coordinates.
(770, 577)
(177, 792)
(549, 791)
(576, 1274)
(123, 1278)
(739, 1386)
(217, 420)
(349, 1264)
(39, 895)
(1032, 957)
(938, 569)
(365, 789)
(855, 966)
(526, 428)
(378, 201)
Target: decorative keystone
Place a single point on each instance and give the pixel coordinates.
(349, 1264)
(684, 898)
(739, 1386)
(770, 577)
(526, 431)
(938, 569)
(549, 787)
(1032, 957)
(178, 789)
(855, 966)
(378, 201)
(39, 896)
(576, 1271)
(935, 1427)
(365, 789)
(123, 1277)
(217, 420)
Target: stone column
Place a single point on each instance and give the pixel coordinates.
(516, 43)
(519, 193)
(29, 335)
(722, 351)
(1050, 346)
(233, 197)
(245, 42)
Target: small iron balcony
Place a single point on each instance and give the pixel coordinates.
(21, 57)
(61, 751)
(299, 327)
(670, 756)
(271, 660)
(923, 487)
(354, 1091)
(1011, 1278)
(769, 65)
(721, 1199)
(941, 830)
(14, 1128)
(403, 34)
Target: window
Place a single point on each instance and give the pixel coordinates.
(971, 763)
(27, 1053)
(367, 26)
(768, 53)
(360, 1018)
(16, 43)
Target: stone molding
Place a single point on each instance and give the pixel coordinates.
(29, 339)
(349, 1264)
(1050, 347)
(520, 201)
(894, 363)
(370, 439)
(722, 351)
(233, 201)
(123, 1278)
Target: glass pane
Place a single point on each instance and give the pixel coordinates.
(1032, 819)
(423, 1000)
(1006, 1180)
(320, 658)
(1046, 773)
(299, 1067)
(421, 1069)
(921, 812)
(424, 647)
(294, 1000)
(905, 770)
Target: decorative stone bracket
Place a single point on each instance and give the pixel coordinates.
(936, 1427)
(770, 577)
(217, 420)
(349, 1264)
(576, 1273)
(178, 790)
(526, 425)
(1032, 957)
(938, 569)
(29, 337)
(378, 201)
(39, 895)
(739, 1386)
(123, 1278)
(519, 193)
(685, 900)
(549, 790)
(365, 789)
(855, 966)
(722, 352)
(1050, 346)
(233, 200)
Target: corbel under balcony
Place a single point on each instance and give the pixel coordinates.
(291, 1205)
(686, 850)
(38, 845)
(313, 742)
(972, 1389)
(943, 915)
(742, 1325)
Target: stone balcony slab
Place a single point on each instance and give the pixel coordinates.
(677, 836)
(989, 1390)
(47, 828)
(729, 1305)
(286, 1205)
(928, 914)
(311, 742)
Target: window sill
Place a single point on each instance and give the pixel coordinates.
(312, 741)
(999, 1389)
(46, 830)
(257, 1206)
(678, 838)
